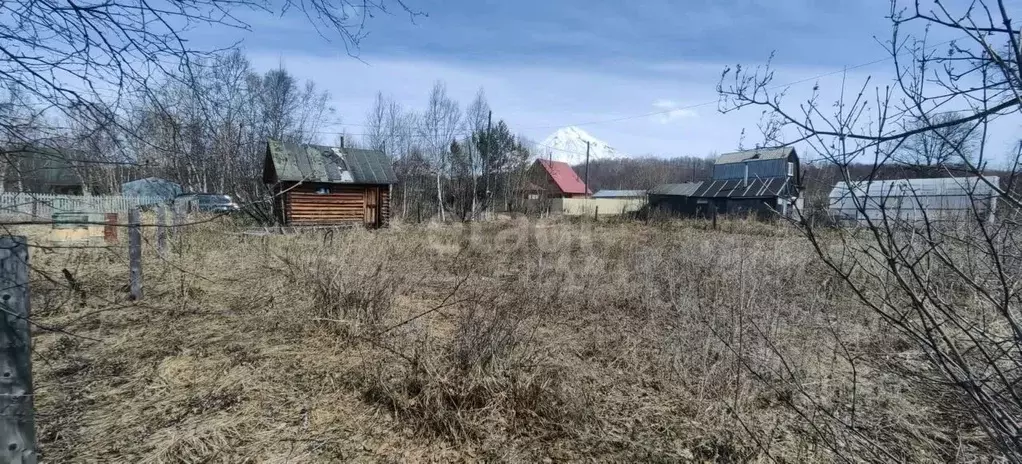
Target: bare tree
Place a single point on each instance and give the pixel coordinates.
(438, 127)
(375, 135)
(949, 289)
(939, 148)
(210, 134)
(83, 62)
(476, 118)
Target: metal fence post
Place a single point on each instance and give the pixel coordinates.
(135, 254)
(17, 415)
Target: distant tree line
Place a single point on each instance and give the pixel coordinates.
(452, 163)
(208, 133)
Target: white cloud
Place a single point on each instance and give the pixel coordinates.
(671, 111)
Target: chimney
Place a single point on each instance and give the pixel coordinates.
(340, 140)
(745, 177)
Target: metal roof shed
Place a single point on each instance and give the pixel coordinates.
(676, 199)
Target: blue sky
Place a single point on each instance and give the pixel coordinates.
(548, 64)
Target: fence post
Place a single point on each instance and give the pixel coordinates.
(17, 414)
(134, 254)
(110, 228)
(161, 229)
(596, 215)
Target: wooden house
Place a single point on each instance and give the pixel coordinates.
(760, 181)
(319, 185)
(553, 179)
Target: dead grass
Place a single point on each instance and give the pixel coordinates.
(510, 341)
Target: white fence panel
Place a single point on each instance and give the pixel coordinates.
(40, 207)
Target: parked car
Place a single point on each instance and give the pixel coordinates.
(205, 203)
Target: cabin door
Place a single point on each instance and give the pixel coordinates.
(372, 206)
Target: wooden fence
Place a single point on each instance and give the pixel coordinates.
(39, 207)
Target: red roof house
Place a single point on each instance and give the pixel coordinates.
(554, 179)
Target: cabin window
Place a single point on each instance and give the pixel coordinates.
(323, 190)
(791, 169)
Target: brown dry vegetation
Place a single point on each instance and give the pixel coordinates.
(548, 341)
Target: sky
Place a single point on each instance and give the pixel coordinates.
(597, 64)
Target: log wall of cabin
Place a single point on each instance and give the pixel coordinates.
(384, 205)
(345, 204)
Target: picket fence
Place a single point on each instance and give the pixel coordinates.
(39, 207)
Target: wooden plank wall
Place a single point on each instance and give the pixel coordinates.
(345, 204)
(384, 205)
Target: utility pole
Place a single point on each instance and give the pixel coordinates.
(587, 167)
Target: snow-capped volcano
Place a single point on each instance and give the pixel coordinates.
(568, 144)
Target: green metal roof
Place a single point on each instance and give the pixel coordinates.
(289, 162)
(47, 166)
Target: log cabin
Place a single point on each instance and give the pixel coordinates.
(316, 185)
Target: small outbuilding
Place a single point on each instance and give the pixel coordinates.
(320, 185)
(548, 179)
(676, 199)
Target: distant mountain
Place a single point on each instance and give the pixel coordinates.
(568, 144)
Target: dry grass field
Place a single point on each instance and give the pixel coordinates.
(507, 342)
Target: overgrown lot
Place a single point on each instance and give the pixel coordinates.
(515, 341)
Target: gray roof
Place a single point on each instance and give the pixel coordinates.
(685, 190)
(764, 187)
(318, 163)
(756, 154)
(151, 187)
(619, 194)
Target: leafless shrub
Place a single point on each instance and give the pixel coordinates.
(942, 290)
(352, 291)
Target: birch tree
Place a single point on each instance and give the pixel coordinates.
(476, 117)
(438, 126)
